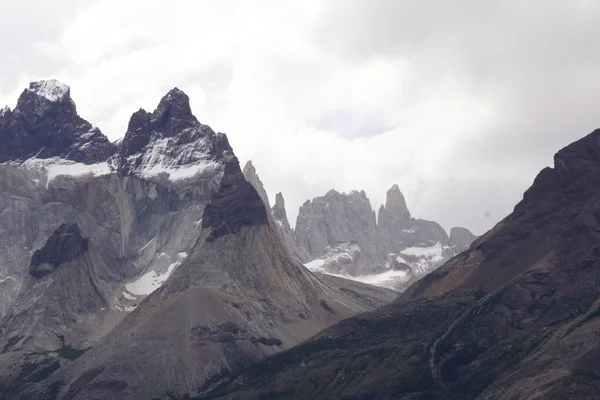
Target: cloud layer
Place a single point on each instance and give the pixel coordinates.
(459, 102)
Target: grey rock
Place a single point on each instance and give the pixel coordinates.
(338, 218)
(252, 176)
(238, 297)
(461, 239)
(84, 253)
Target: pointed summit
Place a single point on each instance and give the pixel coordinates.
(175, 104)
(45, 124)
(254, 179)
(395, 204)
(170, 141)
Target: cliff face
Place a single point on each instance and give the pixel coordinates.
(342, 237)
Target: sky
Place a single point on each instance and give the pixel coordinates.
(459, 102)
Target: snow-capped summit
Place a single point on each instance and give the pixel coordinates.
(51, 89)
(45, 124)
(170, 142)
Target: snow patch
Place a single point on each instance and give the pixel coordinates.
(7, 278)
(51, 89)
(156, 160)
(315, 265)
(149, 282)
(55, 167)
(424, 251)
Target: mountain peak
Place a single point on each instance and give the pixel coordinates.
(51, 89)
(252, 176)
(174, 104)
(395, 203)
(279, 200)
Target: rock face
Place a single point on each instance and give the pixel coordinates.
(460, 239)
(156, 256)
(45, 124)
(63, 246)
(238, 297)
(342, 236)
(339, 220)
(142, 205)
(514, 317)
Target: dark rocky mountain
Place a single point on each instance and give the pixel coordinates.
(159, 257)
(514, 317)
(45, 124)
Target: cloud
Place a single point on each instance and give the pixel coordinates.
(459, 102)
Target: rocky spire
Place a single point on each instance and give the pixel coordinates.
(254, 179)
(395, 205)
(279, 212)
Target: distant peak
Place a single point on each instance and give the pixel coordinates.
(279, 200)
(51, 89)
(396, 203)
(249, 167)
(175, 101)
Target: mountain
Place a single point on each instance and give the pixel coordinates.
(155, 255)
(343, 237)
(45, 124)
(513, 317)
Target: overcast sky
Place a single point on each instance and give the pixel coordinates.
(459, 102)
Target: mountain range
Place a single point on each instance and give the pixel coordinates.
(516, 316)
(152, 258)
(339, 234)
(156, 268)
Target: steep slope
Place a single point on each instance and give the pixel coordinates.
(63, 305)
(514, 317)
(238, 297)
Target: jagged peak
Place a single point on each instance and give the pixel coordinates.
(249, 167)
(174, 103)
(396, 203)
(279, 200)
(51, 89)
